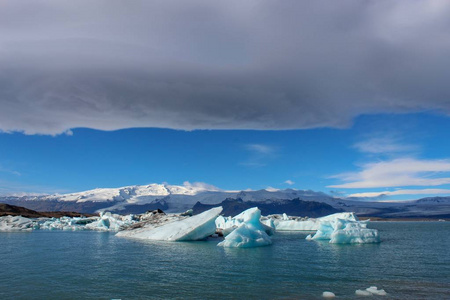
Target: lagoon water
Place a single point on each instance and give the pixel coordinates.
(413, 261)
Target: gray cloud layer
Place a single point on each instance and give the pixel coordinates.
(219, 64)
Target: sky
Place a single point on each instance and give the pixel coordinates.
(349, 98)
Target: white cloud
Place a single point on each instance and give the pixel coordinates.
(401, 192)
(290, 182)
(271, 189)
(397, 173)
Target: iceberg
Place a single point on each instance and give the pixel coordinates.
(250, 232)
(341, 231)
(64, 223)
(106, 222)
(15, 223)
(286, 223)
(186, 228)
(111, 222)
(226, 225)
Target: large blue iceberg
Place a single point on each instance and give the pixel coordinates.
(249, 233)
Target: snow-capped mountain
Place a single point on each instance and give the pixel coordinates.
(171, 198)
(178, 198)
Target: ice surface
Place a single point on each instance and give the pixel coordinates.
(362, 293)
(111, 222)
(285, 223)
(227, 224)
(15, 223)
(250, 232)
(328, 295)
(340, 231)
(106, 222)
(193, 228)
(373, 290)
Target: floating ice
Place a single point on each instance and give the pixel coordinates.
(227, 224)
(371, 291)
(111, 222)
(362, 293)
(15, 223)
(328, 295)
(340, 231)
(250, 233)
(285, 223)
(64, 223)
(187, 229)
(375, 291)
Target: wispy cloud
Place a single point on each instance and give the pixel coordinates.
(290, 182)
(6, 170)
(260, 154)
(385, 145)
(397, 173)
(260, 149)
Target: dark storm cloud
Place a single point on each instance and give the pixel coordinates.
(219, 65)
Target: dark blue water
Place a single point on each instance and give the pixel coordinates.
(413, 261)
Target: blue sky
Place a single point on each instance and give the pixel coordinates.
(317, 159)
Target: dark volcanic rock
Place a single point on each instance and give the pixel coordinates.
(87, 207)
(12, 210)
(295, 207)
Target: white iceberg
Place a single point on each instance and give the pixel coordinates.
(250, 233)
(193, 228)
(341, 231)
(286, 223)
(15, 223)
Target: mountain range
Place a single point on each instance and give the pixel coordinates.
(173, 198)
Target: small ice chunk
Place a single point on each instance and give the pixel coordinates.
(375, 291)
(328, 295)
(363, 293)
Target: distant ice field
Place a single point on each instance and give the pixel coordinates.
(412, 261)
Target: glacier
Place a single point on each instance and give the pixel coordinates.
(340, 231)
(193, 228)
(250, 232)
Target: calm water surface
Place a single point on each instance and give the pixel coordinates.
(413, 261)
